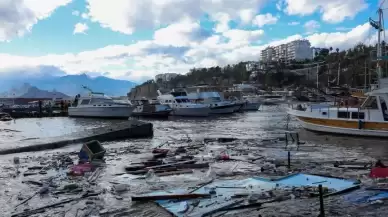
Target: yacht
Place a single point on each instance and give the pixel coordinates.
(98, 105)
(245, 94)
(182, 106)
(272, 99)
(252, 103)
(147, 108)
(213, 100)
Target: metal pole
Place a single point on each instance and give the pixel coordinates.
(321, 204)
(365, 77)
(317, 76)
(380, 11)
(338, 74)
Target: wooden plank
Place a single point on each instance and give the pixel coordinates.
(169, 197)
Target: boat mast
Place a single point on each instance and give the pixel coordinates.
(378, 25)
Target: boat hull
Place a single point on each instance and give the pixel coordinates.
(226, 109)
(191, 112)
(158, 114)
(251, 106)
(238, 107)
(101, 112)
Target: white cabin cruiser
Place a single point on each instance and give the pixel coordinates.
(182, 106)
(97, 105)
(252, 103)
(213, 100)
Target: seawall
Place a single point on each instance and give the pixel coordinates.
(125, 130)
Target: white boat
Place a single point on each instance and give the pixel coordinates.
(146, 108)
(213, 100)
(252, 103)
(98, 105)
(245, 94)
(182, 106)
(273, 99)
(370, 119)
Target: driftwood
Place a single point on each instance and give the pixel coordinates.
(41, 209)
(213, 209)
(169, 197)
(172, 164)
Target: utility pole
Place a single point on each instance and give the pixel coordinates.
(365, 77)
(338, 74)
(317, 77)
(378, 25)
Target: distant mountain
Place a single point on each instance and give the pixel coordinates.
(70, 85)
(34, 92)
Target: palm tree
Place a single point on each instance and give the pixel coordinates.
(330, 49)
(337, 49)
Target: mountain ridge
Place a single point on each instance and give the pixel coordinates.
(70, 85)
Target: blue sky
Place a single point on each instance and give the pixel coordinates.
(135, 40)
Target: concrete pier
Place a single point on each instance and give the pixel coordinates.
(124, 130)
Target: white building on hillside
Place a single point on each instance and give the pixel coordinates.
(166, 76)
(267, 54)
(299, 50)
(281, 53)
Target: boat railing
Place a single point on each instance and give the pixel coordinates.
(326, 108)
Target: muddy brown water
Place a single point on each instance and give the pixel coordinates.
(316, 156)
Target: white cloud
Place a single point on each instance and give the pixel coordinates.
(293, 23)
(311, 26)
(222, 20)
(80, 28)
(264, 19)
(181, 34)
(243, 36)
(75, 13)
(127, 15)
(84, 16)
(17, 17)
(144, 59)
(246, 15)
(333, 11)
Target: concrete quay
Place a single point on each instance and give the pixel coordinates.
(124, 130)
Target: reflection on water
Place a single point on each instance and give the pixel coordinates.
(270, 122)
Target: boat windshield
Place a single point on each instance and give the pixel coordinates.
(182, 100)
(370, 103)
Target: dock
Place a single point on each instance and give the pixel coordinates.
(124, 130)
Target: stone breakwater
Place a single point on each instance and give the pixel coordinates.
(124, 130)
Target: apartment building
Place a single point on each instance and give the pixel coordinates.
(294, 50)
(267, 54)
(299, 50)
(281, 53)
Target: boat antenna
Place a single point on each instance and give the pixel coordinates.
(379, 26)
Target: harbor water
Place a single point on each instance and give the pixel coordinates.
(259, 132)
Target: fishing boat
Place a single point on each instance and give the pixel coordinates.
(368, 119)
(145, 108)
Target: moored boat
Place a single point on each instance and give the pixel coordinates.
(145, 108)
(369, 119)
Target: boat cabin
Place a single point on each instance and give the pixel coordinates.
(374, 108)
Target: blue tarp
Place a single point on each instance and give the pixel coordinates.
(256, 185)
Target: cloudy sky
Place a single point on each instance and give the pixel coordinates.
(137, 39)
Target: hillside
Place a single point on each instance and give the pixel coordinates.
(34, 92)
